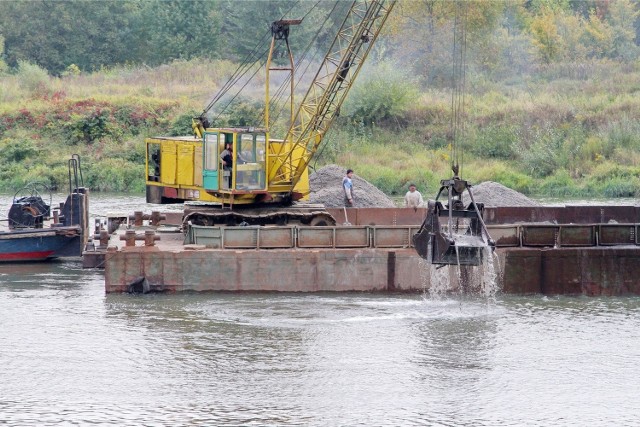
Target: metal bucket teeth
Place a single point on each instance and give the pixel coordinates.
(461, 250)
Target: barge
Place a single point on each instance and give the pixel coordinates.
(570, 250)
(38, 231)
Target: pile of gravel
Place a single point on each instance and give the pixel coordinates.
(497, 195)
(326, 188)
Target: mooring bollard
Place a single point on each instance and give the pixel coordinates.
(104, 238)
(149, 237)
(129, 237)
(137, 218)
(154, 218)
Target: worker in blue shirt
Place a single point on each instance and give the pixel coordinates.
(347, 186)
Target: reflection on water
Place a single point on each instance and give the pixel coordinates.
(71, 354)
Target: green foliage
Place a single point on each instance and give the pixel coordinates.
(621, 133)
(559, 184)
(134, 119)
(382, 95)
(242, 112)
(622, 18)
(502, 173)
(168, 30)
(116, 175)
(613, 180)
(246, 23)
(556, 124)
(618, 187)
(546, 155)
(72, 70)
(546, 38)
(52, 175)
(93, 34)
(181, 124)
(496, 142)
(89, 126)
(16, 150)
(3, 65)
(383, 177)
(33, 78)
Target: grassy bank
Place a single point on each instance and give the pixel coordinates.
(570, 130)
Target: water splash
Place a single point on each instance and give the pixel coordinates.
(483, 280)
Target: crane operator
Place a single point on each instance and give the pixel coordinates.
(227, 161)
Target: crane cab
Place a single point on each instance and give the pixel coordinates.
(248, 153)
(191, 169)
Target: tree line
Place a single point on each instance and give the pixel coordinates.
(86, 35)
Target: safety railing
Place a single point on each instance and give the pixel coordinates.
(505, 236)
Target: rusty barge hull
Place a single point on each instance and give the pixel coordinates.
(575, 271)
(594, 254)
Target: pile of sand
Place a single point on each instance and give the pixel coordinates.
(497, 195)
(326, 188)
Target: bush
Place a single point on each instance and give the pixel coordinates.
(115, 175)
(381, 96)
(181, 124)
(3, 65)
(243, 113)
(618, 187)
(384, 178)
(33, 78)
(71, 70)
(91, 126)
(613, 180)
(16, 150)
(546, 155)
(56, 176)
(558, 185)
(501, 173)
(624, 133)
(495, 142)
(134, 119)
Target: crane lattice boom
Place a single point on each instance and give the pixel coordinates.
(330, 85)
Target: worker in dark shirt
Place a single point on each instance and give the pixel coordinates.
(227, 162)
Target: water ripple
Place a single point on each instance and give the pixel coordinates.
(73, 355)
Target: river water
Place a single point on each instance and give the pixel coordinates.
(72, 355)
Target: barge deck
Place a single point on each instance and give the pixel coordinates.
(570, 250)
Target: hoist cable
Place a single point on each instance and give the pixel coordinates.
(453, 91)
(277, 101)
(464, 84)
(242, 69)
(224, 108)
(458, 90)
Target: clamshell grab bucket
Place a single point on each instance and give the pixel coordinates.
(453, 234)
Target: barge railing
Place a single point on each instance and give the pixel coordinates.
(509, 235)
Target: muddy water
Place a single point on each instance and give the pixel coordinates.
(71, 354)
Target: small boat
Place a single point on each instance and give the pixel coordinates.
(38, 232)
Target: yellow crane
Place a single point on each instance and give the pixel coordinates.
(263, 178)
